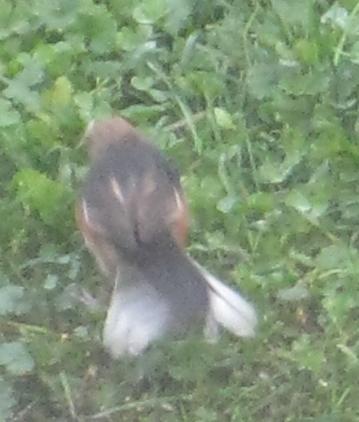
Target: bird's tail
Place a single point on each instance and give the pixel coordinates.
(228, 308)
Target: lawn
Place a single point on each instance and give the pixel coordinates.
(257, 103)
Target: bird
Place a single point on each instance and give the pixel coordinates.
(134, 218)
(130, 185)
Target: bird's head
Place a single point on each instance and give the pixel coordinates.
(100, 134)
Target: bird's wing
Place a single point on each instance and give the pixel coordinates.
(131, 196)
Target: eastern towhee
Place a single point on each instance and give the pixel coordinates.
(134, 218)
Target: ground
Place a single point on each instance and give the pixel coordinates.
(257, 103)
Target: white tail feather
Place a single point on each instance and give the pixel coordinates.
(137, 316)
(229, 308)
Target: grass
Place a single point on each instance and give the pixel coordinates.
(256, 101)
